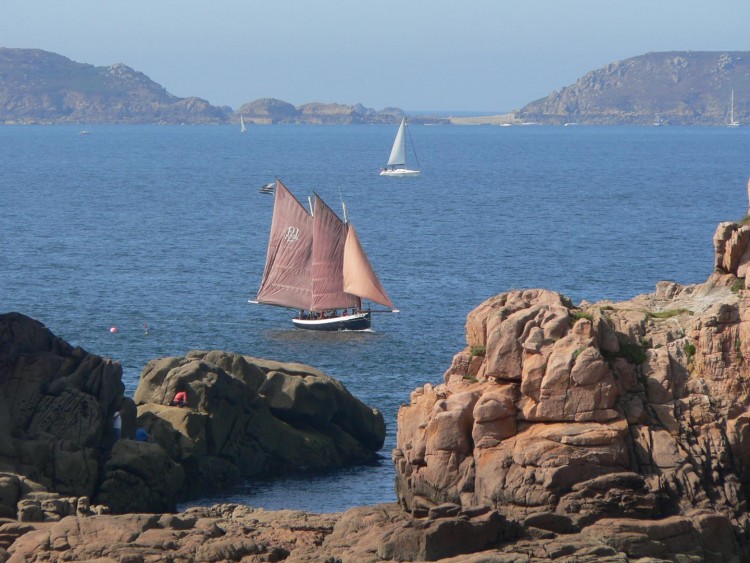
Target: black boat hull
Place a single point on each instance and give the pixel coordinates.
(359, 321)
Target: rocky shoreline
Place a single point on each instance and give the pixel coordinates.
(610, 431)
(244, 417)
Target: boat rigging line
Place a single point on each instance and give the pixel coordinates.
(343, 205)
(414, 148)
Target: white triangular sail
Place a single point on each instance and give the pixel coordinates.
(397, 161)
(398, 151)
(242, 124)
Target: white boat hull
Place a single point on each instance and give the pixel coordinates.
(399, 172)
(357, 321)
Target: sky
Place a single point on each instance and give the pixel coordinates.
(482, 56)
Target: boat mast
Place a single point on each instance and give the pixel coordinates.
(413, 148)
(343, 207)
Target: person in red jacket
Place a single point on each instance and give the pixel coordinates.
(180, 399)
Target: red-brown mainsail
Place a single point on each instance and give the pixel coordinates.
(329, 238)
(286, 278)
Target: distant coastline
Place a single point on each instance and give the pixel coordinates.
(503, 119)
(667, 88)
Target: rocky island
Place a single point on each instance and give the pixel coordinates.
(665, 88)
(268, 111)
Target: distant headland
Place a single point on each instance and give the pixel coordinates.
(665, 88)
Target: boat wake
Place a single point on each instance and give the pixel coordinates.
(322, 337)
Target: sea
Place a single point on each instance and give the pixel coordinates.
(161, 232)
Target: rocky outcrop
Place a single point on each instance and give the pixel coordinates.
(220, 533)
(625, 423)
(248, 417)
(241, 533)
(363, 534)
(140, 476)
(269, 110)
(56, 407)
(266, 111)
(671, 88)
(41, 87)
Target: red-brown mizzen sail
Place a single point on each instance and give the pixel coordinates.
(359, 277)
(286, 278)
(329, 239)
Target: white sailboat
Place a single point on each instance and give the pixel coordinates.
(243, 129)
(397, 161)
(731, 122)
(316, 265)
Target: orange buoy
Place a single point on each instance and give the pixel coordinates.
(113, 329)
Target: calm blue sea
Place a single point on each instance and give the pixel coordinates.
(163, 228)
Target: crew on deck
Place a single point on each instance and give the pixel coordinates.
(326, 314)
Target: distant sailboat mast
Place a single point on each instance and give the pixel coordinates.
(731, 122)
(243, 129)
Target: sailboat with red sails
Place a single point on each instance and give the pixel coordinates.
(316, 265)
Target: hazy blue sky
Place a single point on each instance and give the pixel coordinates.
(473, 55)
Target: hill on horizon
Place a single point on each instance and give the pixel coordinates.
(41, 87)
(675, 88)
